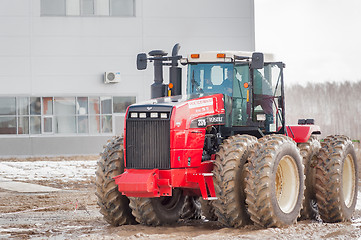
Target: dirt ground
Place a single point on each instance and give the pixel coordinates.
(72, 213)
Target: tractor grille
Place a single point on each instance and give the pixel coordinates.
(148, 144)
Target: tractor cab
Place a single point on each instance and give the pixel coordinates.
(253, 92)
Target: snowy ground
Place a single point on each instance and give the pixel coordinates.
(73, 213)
(47, 170)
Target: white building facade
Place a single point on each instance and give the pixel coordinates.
(54, 53)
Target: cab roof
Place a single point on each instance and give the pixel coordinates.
(224, 56)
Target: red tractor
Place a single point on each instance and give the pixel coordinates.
(224, 148)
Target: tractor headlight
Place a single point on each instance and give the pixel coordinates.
(134, 115)
(163, 115)
(142, 115)
(154, 115)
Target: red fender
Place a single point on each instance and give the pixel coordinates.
(301, 133)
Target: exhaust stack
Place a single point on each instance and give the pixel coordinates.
(158, 88)
(175, 72)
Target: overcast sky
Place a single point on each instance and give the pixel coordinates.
(319, 40)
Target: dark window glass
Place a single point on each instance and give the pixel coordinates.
(48, 124)
(23, 105)
(83, 124)
(87, 7)
(53, 7)
(47, 105)
(35, 125)
(120, 104)
(35, 106)
(94, 124)
(7, 125)
(7, 106)
(82, 105)
(107, 124)
(106, 103)
(124, 8)
(94, 105)
(23, 125)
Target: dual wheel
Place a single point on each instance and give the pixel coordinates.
(275, 182)
(259, 181)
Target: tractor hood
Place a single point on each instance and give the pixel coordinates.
(170, 101)
(184, 111)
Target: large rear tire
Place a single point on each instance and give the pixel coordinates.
(309, 151)
(336, 179)
(158, 211)
(113, 205)
(274, 182)
(230, 207)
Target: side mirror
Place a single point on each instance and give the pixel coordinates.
(257, 60)
(141, 61)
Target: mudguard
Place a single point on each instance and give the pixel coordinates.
(301, 133)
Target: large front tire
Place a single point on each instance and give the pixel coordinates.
(158, 211)
(113, 205)
(230, 207)
(336, 179)
(274, 182)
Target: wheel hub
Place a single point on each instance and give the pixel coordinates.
(348, 180)
(287, 184)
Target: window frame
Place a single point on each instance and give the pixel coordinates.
(31, 116)
(106, 11)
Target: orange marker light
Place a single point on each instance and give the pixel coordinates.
(170, 85)
(194, 55)
(245, 85)
(221, 55)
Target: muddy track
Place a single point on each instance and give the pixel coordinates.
(73, 214)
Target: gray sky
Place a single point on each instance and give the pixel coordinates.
(319, 40)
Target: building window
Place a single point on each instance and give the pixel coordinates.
(60, 115)
(116, 8)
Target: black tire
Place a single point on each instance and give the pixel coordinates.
(228, 179)
(208, 210)
(336, 179)
(191, 209)
(274, 182)
(113, 205)
(309, 151)
(158, 211)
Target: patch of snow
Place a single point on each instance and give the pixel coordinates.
(48, 170)
(17, 230)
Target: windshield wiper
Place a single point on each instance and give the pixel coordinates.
(194, 82)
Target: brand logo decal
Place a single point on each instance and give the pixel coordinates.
(209, 120)
(202, 123)
(200, 103)
(149, 108)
